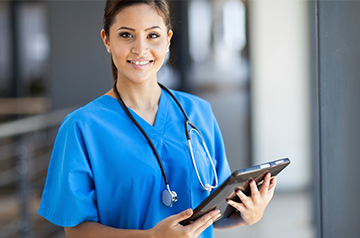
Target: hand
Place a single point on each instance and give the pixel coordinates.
(252, 208)
(170, 227)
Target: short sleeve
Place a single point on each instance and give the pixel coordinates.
(69, 196)
(222, 167)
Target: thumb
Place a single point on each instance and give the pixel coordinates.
(181, 216)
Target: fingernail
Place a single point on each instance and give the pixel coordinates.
(188, 211)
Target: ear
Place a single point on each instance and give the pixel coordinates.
(105, 39)
(169, 37)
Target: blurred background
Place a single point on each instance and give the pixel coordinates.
(257, 62)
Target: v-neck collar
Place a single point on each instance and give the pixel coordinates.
(160, 120)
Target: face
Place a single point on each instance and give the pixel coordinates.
(138, 41)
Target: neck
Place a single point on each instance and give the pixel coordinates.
(140, 96)
(143, 98)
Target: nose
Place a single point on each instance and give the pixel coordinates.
(140, 47)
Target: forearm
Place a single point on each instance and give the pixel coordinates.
(93, 229)
(234, 220)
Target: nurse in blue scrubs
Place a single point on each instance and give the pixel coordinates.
(121, 165)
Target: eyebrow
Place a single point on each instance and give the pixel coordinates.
(131, 29)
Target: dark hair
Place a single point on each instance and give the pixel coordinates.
(113, 7)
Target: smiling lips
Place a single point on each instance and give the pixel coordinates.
(140, 63)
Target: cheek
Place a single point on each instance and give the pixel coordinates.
(160, 51)
(119, 56)
(119, 52)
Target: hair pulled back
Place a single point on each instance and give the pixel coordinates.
(113, 7)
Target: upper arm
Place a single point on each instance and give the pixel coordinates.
(69, 196)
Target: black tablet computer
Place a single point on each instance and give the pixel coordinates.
(237, 180)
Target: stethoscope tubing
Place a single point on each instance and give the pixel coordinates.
(172, 194)
(142, 131)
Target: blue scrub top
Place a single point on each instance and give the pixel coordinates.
(102, 169)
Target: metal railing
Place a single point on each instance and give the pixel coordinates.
(25, 149)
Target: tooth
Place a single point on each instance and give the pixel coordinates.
(140, 62)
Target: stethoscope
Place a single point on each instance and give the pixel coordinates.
(169, 197)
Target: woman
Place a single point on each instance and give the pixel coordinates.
(121, 165)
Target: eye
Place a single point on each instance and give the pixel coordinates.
(125, 35)
(153, 36)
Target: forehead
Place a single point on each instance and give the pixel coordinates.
(139, 16)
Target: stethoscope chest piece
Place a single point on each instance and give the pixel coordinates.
(168, 197)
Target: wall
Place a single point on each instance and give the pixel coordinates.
(79, 64)
(339, 114)
(280, 87)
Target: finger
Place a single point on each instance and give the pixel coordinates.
(175, 219)
(205, 220)
(208, 221)
(245, 201)
(254, 191)
(273, 183)
(270, 192)
(265, 187)
(243, 198)
(238, 206)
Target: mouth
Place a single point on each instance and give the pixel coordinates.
(142, 62)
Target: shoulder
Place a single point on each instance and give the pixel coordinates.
(197, 109)
(88, 113)
(190, 100)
